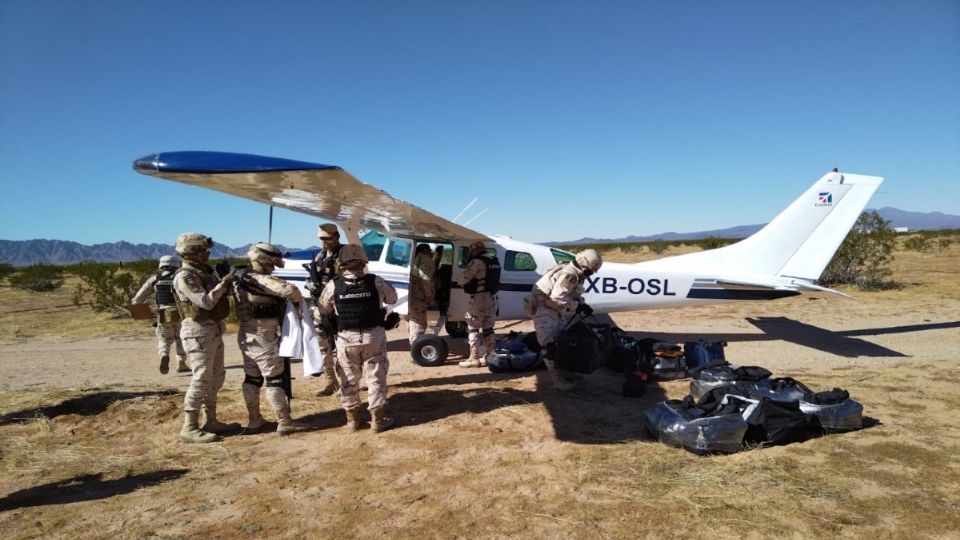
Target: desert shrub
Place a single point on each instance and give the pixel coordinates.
(863, 258)
(657, 246)
(6, 269)
(713, 242)
(943, 243)
(38, 278)
(917, 243)
(109, 286)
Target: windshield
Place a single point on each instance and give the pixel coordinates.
(373, 243)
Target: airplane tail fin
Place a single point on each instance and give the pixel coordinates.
(802, 239)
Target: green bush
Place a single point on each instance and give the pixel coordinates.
(863, 258)
(943, 243)
(657, 246)
(110, 286)
(917, 243)
(38, 278)
(6, 269)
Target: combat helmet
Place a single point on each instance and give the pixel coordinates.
(327, 230)
(589, 259)
(191, 243)
(169, 261)
(265, 254)
(352, 253)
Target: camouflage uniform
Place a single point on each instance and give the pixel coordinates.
(481, 313)
(168, 323)
(421, 294)
(360, 349)
(328, 267)
(261, 303)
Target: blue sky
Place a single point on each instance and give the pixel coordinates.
(566, 119)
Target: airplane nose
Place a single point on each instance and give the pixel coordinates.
(147, 163)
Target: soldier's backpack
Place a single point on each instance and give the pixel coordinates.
(518, 352)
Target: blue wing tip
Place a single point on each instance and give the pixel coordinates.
(199, 162)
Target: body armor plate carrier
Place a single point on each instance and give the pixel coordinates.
(490, 282)
(163, 289)
(357, 302)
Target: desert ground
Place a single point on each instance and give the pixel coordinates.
(89, 448)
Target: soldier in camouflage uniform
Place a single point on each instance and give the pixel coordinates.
(422, 271)
(557, 291)
(261, 303)
(203, 303)
(327, 266)
(481, 280)
(357, 298)
(168, 318)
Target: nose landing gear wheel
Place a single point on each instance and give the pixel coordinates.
(429, 350)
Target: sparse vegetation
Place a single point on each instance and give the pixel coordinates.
(109, 286)
(657, 246)
(37, 278)
(917, 243)
(6, 269)
(864, 256)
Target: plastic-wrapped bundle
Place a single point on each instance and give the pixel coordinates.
(782, 389)
(719, 373)
(516, 354)
(833, 410)
(681, 423)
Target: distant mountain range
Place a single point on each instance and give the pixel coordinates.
(914, 221)
(27, 252)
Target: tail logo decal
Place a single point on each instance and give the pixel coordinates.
(825, 198)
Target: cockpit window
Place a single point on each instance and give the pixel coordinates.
(399, 252)
(562, 256)
(519, 261)
(373, 243)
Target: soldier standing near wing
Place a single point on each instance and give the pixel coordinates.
(481, 280)
(326, 266)
(261, 303)
(168, 318)
(357, 298)
(202, 300)
(559, 290)
(422, 272)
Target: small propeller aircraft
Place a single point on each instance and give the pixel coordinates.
(784, 258)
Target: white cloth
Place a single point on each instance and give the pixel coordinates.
(298, 339)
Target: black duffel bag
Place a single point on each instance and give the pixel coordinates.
(577, 349)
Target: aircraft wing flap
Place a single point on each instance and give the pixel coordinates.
(324, 191)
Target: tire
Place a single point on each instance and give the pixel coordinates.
(429, 350)
(457, 329)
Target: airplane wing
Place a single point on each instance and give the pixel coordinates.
(324, 191)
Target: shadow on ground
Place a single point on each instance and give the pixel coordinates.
(87, 487)
(88, 405)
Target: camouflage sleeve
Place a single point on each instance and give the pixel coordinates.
(388, 295)
(474, 270)
(565, 290)
(281, 288)
(325, 302)
(189, 288)
(144, 291)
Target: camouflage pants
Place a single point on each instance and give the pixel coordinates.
(167, 335)
(359, 351)
(261, 360)
(327, 344)
(481, 317)
(417, 304)
(547, 323)
(205, 358)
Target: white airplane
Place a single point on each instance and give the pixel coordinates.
(783, 259)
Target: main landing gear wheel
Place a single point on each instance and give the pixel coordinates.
(457, 329)
(429, 350)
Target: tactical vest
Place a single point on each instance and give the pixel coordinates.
(263, 303)
(163, 289)
(328, 266)
(490, 282)
(357, 302)
(190, 311)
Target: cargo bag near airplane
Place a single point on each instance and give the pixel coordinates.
(518, 352)
(720, 373)
(702, 352)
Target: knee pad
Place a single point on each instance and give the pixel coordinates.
(275, 381)
(255, 381)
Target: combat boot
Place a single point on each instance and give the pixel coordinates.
(251, 396)
(164, 364)
(353, 419)
(212, 425)
(330, 388)
(182, 366)
(380, 420)
(471, 362)
(190, 433)
(288, 426)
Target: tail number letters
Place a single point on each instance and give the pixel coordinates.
(609, 285)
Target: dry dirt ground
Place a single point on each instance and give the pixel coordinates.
(88, 436)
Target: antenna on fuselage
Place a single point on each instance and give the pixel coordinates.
(476, 216)
(465, 208)
(270, 227)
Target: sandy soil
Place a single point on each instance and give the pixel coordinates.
(88, 441)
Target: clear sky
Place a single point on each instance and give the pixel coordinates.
(566, 118)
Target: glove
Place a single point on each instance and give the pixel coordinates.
(222, 268)
(584, 309)
(229, 278)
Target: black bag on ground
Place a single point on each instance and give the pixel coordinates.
(682, 423)
(518, 352)
(832, 411)
(577, 349)
(720, 373)
(769, 422)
